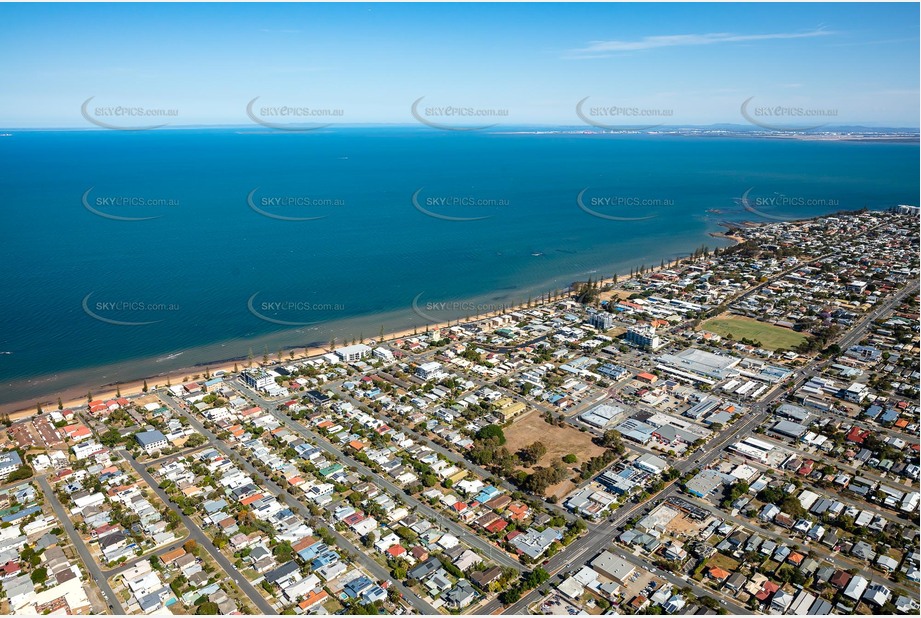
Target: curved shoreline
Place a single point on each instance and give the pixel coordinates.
(76, 396)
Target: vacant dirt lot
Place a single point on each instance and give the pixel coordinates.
(684, 526)
(559, 441)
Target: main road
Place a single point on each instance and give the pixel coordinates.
(600, 537)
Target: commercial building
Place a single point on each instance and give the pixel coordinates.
(706, 482)
(704, 406)
(533, 543)
(635, 430)
(792, 412)
(752, 448)
(699, 366)
(601, 415)
(789, 429)
(613, 567)
(651, 463)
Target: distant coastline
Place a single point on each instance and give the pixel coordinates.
(854, 133)
(544, 241)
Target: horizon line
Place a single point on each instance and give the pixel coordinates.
(409, 124)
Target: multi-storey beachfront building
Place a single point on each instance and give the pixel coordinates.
(353, 353)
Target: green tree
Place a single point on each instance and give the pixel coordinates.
(39, 575)
(21, 473)
(283, 551)
(532, 453)
(612, 439)
(110, 438)
(196, 439)
(491, 431)
(207, 609)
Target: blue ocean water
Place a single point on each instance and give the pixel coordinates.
(213, 246)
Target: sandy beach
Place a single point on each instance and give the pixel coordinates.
(76, 396)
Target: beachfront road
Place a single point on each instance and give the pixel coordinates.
(196, 534)
(82, 549)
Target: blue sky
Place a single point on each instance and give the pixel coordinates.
(699, 62)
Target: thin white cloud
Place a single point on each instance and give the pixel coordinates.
(603, 48)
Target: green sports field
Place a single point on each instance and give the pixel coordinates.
(771, 337)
